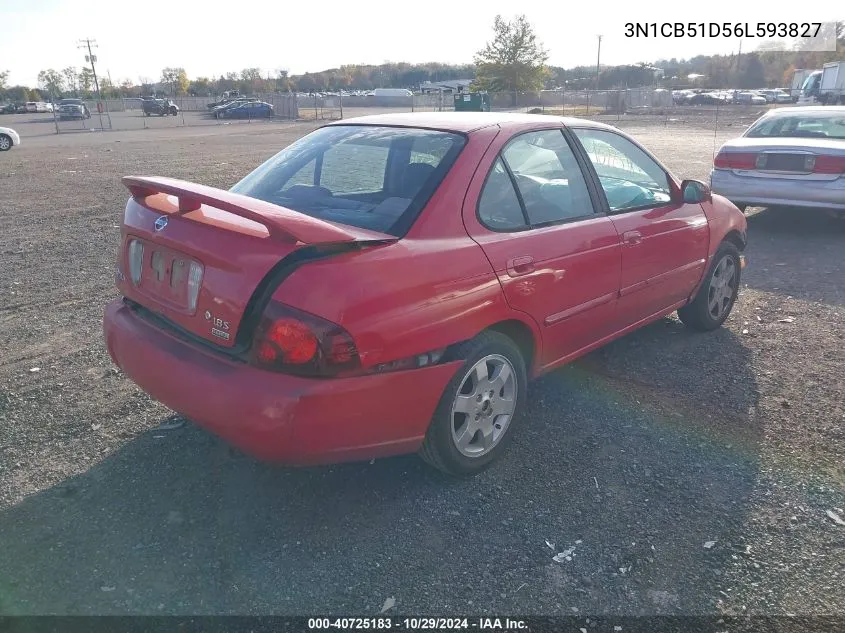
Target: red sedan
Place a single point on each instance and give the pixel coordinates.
(389, 284)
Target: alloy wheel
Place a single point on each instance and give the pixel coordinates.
(483, 406)
(722, 287)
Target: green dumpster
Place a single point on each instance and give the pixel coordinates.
(472, 102)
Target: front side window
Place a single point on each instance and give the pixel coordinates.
(630, 178)
(365, 176)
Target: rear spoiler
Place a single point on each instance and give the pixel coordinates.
(281, 223)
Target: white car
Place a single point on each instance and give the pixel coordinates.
(8, 139)
(38, 106)
(791, 157)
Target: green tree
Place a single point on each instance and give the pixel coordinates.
(201, 87)
(283, 82)
(176, 79)
(51, 81)
(4, 77)
(85, 81)
(752, 74)
(17, 94)
(250, 80)
(513, 60)
(128, 89)
(71, 77)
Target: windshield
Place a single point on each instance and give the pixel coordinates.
(376, 178)
(810, 83)
(815, 125)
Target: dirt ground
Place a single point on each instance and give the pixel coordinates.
(692, 473)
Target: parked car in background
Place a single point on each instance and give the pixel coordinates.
(750, 98)
(38, 106)
(782, 96)
(769, 95)
(791, 157)
(232, 103)
(248, 110)
(8, 108)
(159, 107)
(22, 108)
(388, 284)
(709, 98)
(73, 109)
(8, 139)
(226, 97)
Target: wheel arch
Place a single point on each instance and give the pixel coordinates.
(736, 238)
(524, 335)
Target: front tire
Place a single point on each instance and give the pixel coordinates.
(474, 421)
(5, 142)
(716, 297)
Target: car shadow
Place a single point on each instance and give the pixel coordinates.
(798, 253)
(633, 457)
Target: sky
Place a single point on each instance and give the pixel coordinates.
(208, 38)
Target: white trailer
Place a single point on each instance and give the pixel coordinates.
(798, 77)
(832, 84)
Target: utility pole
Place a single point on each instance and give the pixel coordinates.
(90, 57)
(598, 63)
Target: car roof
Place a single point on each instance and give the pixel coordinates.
(464, 122)
(789, 111)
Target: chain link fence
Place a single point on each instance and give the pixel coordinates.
(621, 107)
(644, 105)
(128, 114)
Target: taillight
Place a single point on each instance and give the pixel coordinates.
(829, 165)
(735, 160)
(135, 255)
(194, 283)
(295, 342)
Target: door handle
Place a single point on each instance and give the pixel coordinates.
(632, 237)
(520, 265)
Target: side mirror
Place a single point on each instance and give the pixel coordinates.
(695, 191)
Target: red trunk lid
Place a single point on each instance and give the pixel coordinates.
(204, 251)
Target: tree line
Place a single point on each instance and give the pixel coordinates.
(513, 60)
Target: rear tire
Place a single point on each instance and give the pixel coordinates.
(716, 297)
(490, 387)
(5, 142)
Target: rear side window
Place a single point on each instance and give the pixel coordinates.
(548, 177)
(535, 181)
(371, 177)
(498, 207)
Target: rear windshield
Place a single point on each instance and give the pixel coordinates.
(815, 125)
(370, 177)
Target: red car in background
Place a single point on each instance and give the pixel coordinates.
(389, 284)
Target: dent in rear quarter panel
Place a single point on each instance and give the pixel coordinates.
(404, 299)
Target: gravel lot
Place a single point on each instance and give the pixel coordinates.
(692, 473)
